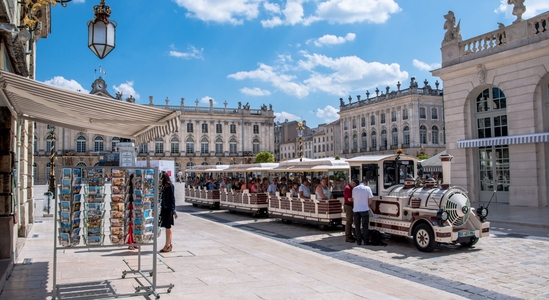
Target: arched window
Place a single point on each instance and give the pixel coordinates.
(98, 144)
(422, 134)
(373, 137)
(190, 165)
(218, 146)
(372, 120)
(159, 146)
(143, 148)
(232, 146)
(394, 137)
(114, 142)
(189, 148)
(81, 144)
(47, 171)
(364, 142)
(406, 136)
(255, 145)
(434, 135)
(346, 143)
(355, 142)
(205, 163)
(174, 145)
(219, 163)
(81, 164)
(384, 139)
(204, 146)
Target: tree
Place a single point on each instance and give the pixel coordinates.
(264, 157)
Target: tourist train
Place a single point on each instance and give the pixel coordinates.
(431, 211)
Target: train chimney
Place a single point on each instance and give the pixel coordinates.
(446, 160)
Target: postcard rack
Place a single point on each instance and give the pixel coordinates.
(91, 213)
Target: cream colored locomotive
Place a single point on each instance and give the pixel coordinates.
(431, 213)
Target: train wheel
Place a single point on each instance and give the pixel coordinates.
(195, 205)
(424, 238)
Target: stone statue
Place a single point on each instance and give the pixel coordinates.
(118, 95)
(131, 99)
(239, 105)
(452, 31)
(247, 106)
(270, 106)
(341, 103)
(518, 9)
(501, 25)
(211, 103)
(481, 73)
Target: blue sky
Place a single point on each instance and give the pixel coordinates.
(301, 56)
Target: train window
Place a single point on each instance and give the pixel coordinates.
(389, 174)
(369, 172)
(395, 172)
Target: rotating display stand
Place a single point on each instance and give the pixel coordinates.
(132, 219)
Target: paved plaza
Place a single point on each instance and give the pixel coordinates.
(219, 255)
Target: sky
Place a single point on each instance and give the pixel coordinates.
(301, 56)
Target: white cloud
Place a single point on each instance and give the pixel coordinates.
(533, 8)
(67, 84)
(206, 100)
(337, 76)
(423, 66)
(255, 91)
(356, 11)
(328, 113)
(293, 13)
(330, 39)
(127, 90)
(192, 53)
(272, 7)
(283, 116)
(279, 80)
(221, 11)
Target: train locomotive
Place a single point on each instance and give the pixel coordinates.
(430, 212)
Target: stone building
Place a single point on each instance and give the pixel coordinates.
(286, 133)
(207, 136)
(497, 106)
(411, 119)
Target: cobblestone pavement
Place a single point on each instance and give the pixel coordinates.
(503, 266)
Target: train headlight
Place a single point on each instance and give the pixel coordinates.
(482, 212)
(442, 215)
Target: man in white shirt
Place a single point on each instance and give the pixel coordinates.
(304, 191)
(362, 199)
(273, 187)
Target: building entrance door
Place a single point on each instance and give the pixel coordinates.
(494, 173)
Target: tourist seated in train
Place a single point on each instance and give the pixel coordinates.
(273, 187)
(264, 186)
(294, 191)
(282, 184)
(314, 183)
(322, 191)
(209, 185)
(253, 185)
(236, 185)
(304, 191)
(223, 184)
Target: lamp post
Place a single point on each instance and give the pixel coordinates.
(51, 188)
(101, 31)
(300, 128)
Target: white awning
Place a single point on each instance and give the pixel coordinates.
(505, 140)
(37, 101)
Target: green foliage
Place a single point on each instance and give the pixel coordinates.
(264, 157)
(337, 157)
(422, 156)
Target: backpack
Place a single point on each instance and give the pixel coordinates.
(376, 238)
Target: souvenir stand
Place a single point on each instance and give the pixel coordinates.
(85, 218)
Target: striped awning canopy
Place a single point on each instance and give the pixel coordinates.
(505, 140)
(40, 102)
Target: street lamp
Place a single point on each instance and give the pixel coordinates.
(101, 31)
(52, 161)
(300, 135)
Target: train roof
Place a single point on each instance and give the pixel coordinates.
(312, 165)
(378, 158)
(208, 168)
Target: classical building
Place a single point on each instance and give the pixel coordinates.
(497, 106)
(285, 133)
(206, 136)
(411, 119)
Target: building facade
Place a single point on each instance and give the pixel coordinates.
(411, 119)
(285, 133)
(207, 136)
(497, 106)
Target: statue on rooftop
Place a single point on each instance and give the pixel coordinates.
(518, 9)
(452, 31)
(118, 95)
(341, 103)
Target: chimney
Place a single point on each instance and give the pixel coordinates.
(446, 160)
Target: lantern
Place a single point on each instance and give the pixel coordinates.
(101, 31)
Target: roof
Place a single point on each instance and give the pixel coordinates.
(36, 101)
(433, 163)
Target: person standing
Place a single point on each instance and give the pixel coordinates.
(350, 236)
(362, 199)
(167, 213)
